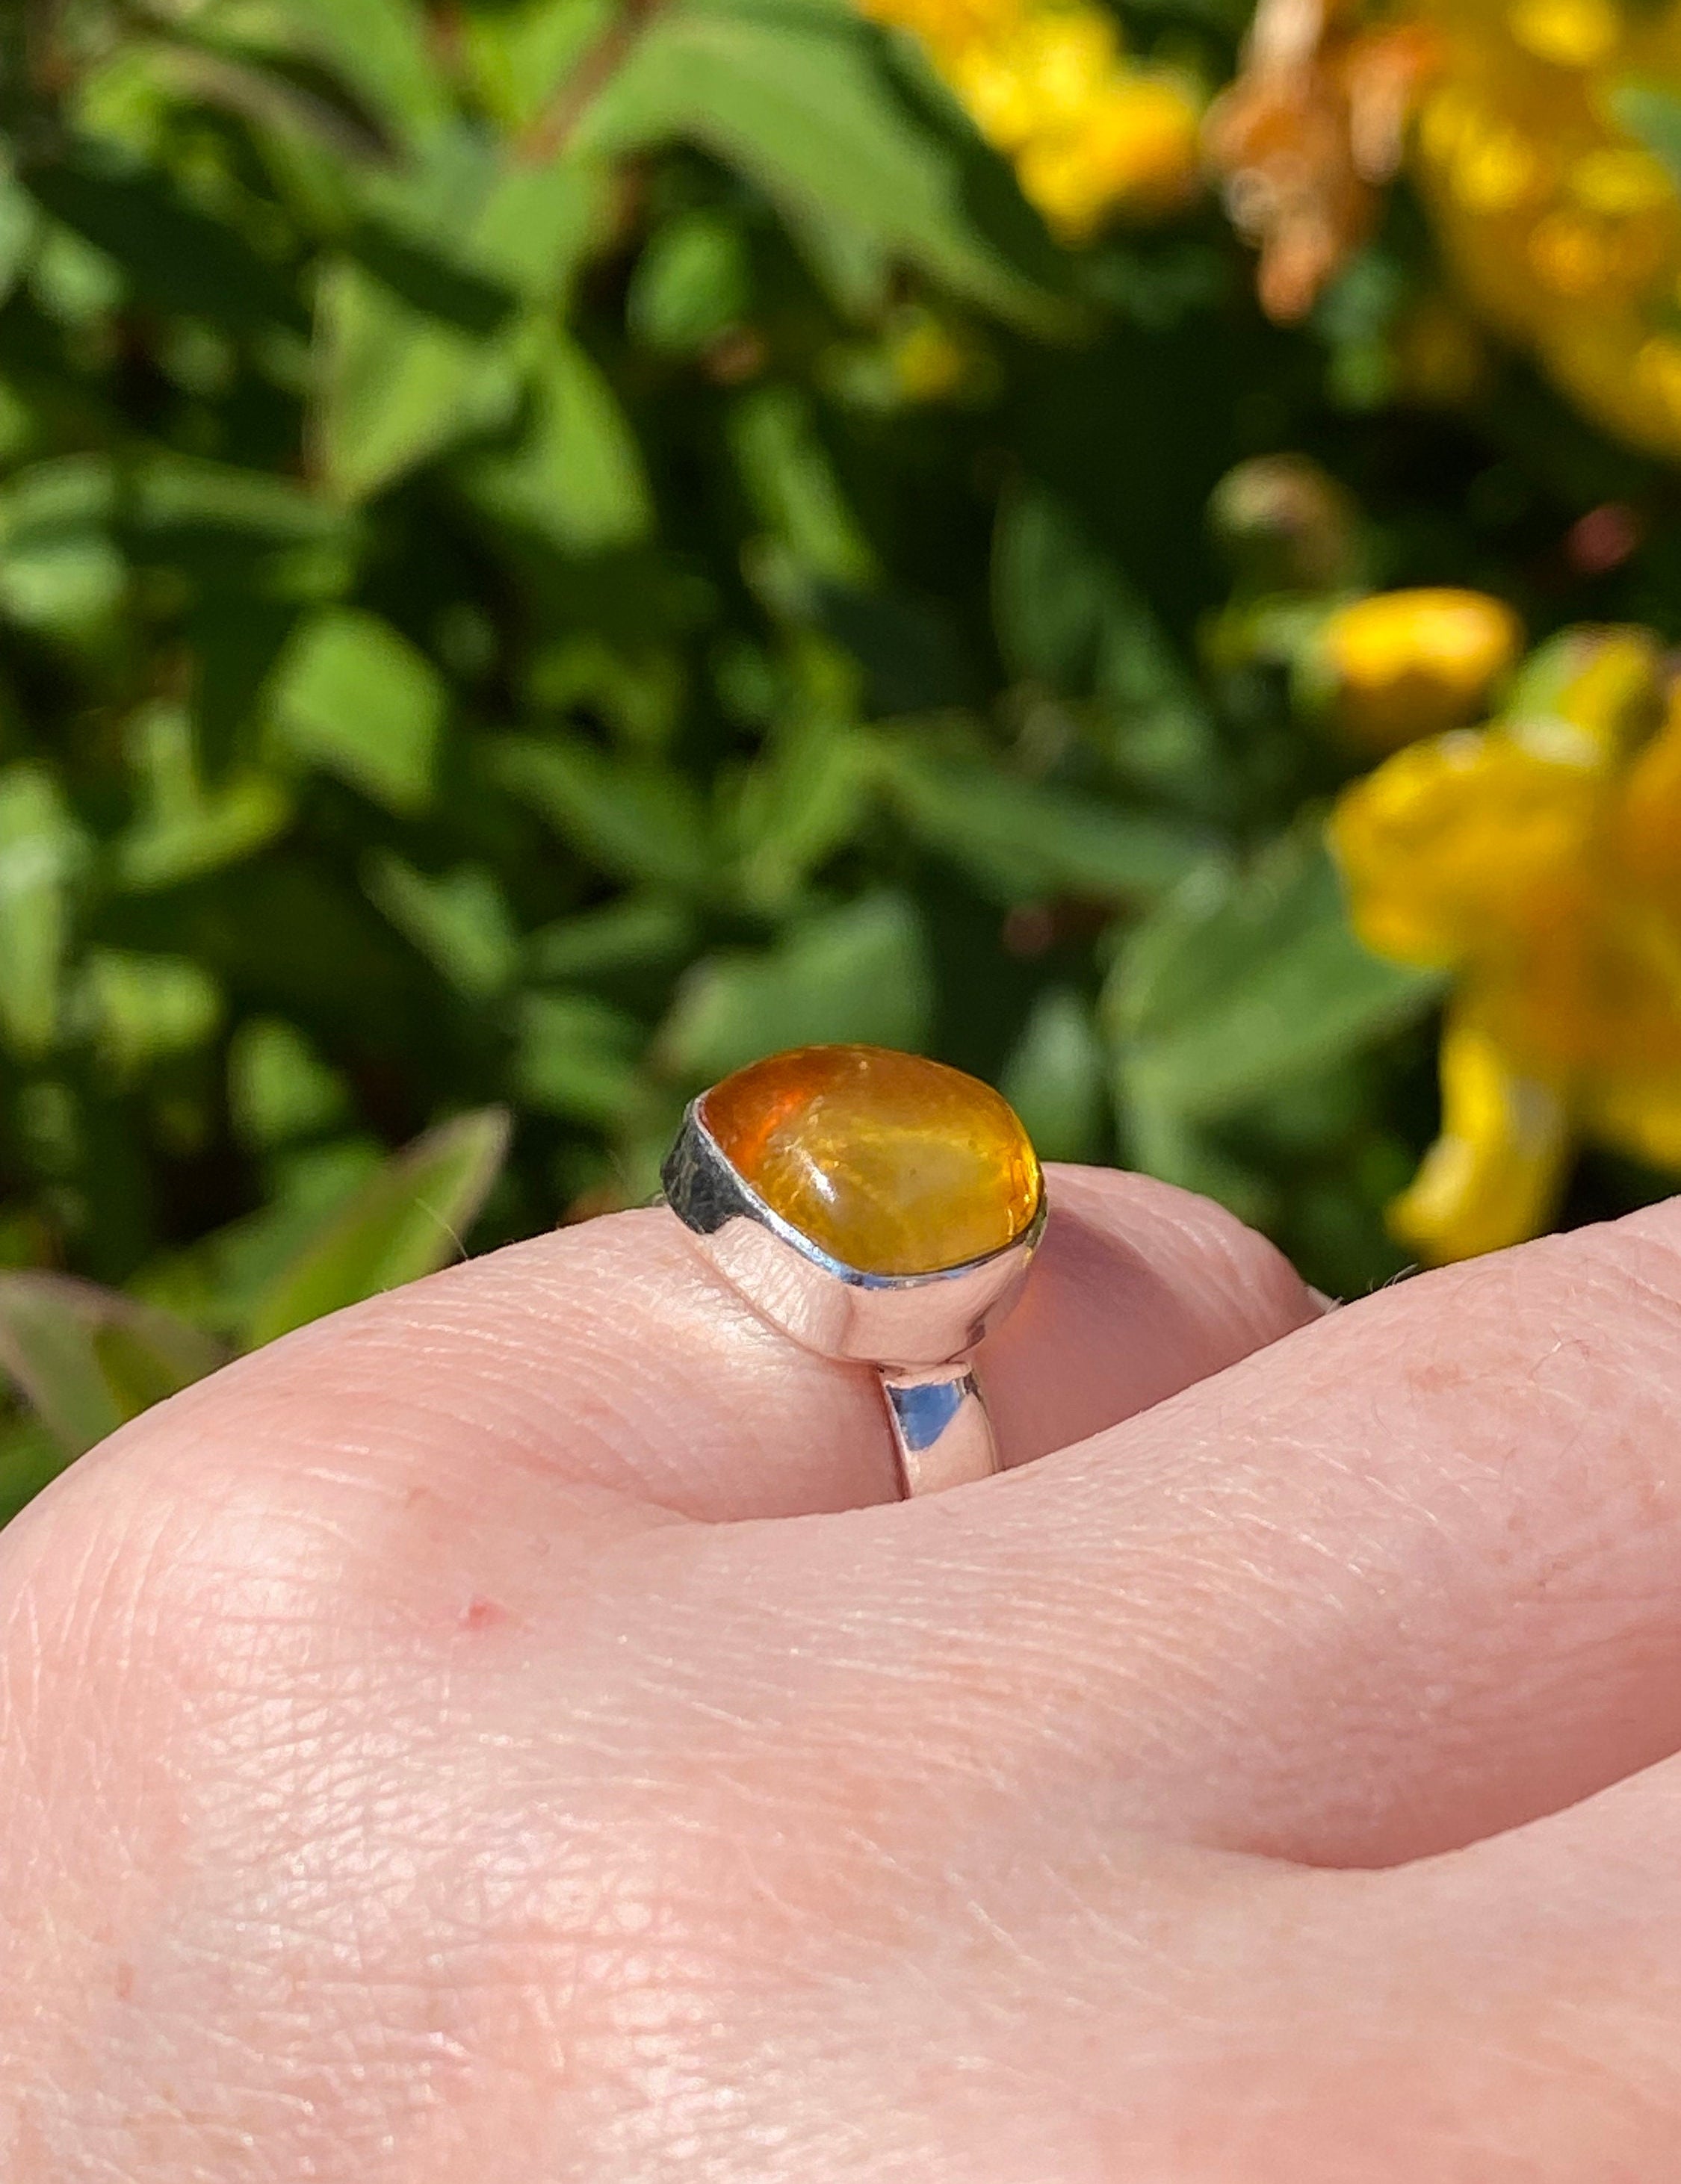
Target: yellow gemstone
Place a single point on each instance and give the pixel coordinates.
(889, 1163)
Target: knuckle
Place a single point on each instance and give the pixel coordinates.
(154, 1586)
(1227, 1274)
(1251, 1275)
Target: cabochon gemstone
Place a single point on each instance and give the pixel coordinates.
(891, 1164)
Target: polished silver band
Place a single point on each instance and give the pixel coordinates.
(917, 1329)
(941, 1434)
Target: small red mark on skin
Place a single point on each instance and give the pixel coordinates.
(483, 1614)
(124, 1982)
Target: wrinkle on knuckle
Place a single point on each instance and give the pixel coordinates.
(1239, 1279)
(1257, 1280)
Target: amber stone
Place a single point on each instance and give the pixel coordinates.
(889, 1163)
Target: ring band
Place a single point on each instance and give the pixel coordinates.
(877, 1208)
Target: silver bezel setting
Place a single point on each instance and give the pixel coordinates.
(889, 1320)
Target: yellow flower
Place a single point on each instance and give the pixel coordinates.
(1563, 230)
(1091, 133)
(1133, 146)
(1537, 860)
(1407, 664)
(1571, 33)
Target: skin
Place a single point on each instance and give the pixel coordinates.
(508, 1732)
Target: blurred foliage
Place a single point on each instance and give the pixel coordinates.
(549, 547)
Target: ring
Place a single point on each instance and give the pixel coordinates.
(876, 1207)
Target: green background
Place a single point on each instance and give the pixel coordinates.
(493, 636)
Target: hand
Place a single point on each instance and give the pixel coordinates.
(506, 1733)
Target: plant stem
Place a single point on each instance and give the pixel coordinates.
(552, 134)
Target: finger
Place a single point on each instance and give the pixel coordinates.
(1401, 1580)
(1140, 1290)
(610, 1357)
(1067, 2017)
(1537, 2005)
(1509, 2013)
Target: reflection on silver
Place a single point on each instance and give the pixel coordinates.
(941, 1434)
(917, 1328)
(924, 1409)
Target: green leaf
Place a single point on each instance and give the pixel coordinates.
(911, 659)
(849, 261)
(805, 798)
(1052, 594)
(537, 224)
(635, 934)
(458, 920)
(522, 54)
(691, 284)
(470, 230)
(787, 472)
(237, 634)
(1022, 840)
(354, 698)
(574, 476)
(395, 386)
(421, 341)
(290, 933)
(437, 283)
(231, 528)
(278, 1087)
(406, 1221)
(41, 852)
(632, 817)
(217, 1279)
(635, 689)
(861, 972)
(577, 1057)
(806, 102)
(88, 1359)
(1242, 982)
(147, 1009)
(382, 49)
(1068, 617)
(60, 569)
(183, 829)
(20, 224)
(297, 105)
(77, 287)
(176, 255)
(1159, 1142)
(29, 1460)
(1056, 1077)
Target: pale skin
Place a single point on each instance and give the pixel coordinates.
(507, 1733)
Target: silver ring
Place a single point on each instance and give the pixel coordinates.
(776, 1208)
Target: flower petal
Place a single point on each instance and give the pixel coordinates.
(1493, 1176)
(1606, 684)
(1444, 847)
(1647, 834)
